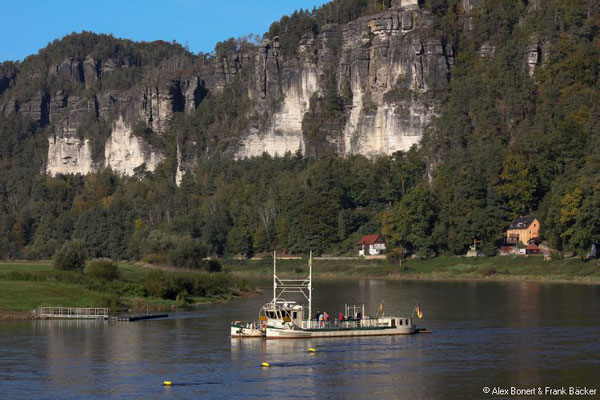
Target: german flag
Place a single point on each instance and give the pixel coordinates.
(380, 310)
(418, 310)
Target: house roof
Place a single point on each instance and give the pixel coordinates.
(370, 239)
(532, 246)
(521, 223)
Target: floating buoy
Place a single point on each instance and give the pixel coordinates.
(312, 350)
(265, 364)
(167, 383)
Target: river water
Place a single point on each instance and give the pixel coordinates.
(485, 334)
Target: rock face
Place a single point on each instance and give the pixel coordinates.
(124, 152)
(90, 72)
(392, 74)
(69, 152)
(536, 53)
(36, 108)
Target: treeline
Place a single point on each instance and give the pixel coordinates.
(226, 207)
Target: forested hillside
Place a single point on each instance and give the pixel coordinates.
(514, 131)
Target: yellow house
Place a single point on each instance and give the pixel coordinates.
(523, 229)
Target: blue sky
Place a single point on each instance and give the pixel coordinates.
(28, 25)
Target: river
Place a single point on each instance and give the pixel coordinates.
(485, 334)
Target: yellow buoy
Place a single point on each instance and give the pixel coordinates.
(265, 364)
(311, 350)
(167, 383)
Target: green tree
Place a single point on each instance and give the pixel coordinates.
(409, 224)
(569, 209)
(188, 253)
(518, 185)
(70, 257)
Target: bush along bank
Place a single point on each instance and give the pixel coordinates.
(120, 287)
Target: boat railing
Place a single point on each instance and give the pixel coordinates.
(346, 324)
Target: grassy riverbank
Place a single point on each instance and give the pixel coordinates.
(27, 285)
(489, 268)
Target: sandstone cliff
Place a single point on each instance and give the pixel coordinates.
(389, 70)
(387, 61)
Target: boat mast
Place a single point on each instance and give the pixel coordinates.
(274, 276)
(286, 285)
(310, 286)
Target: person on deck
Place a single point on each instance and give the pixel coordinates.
(341, 317)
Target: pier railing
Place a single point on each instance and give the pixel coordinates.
(72, 312)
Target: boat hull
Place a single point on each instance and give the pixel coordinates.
(238, 331)
(275, 333)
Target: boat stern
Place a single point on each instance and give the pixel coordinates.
(245, 330)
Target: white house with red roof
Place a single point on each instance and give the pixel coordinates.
(371, 245)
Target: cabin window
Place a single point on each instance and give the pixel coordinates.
(400, 322)
(295, 314)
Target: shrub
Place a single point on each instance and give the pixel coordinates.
(188, 253)
(183, 298)
(556, 256)
(155, 288)
(396, 255)
(113, 302)
(70, 257)
(171, 286)
(103, 269)
(212, 266)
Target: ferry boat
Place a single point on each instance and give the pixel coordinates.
(282, 319)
